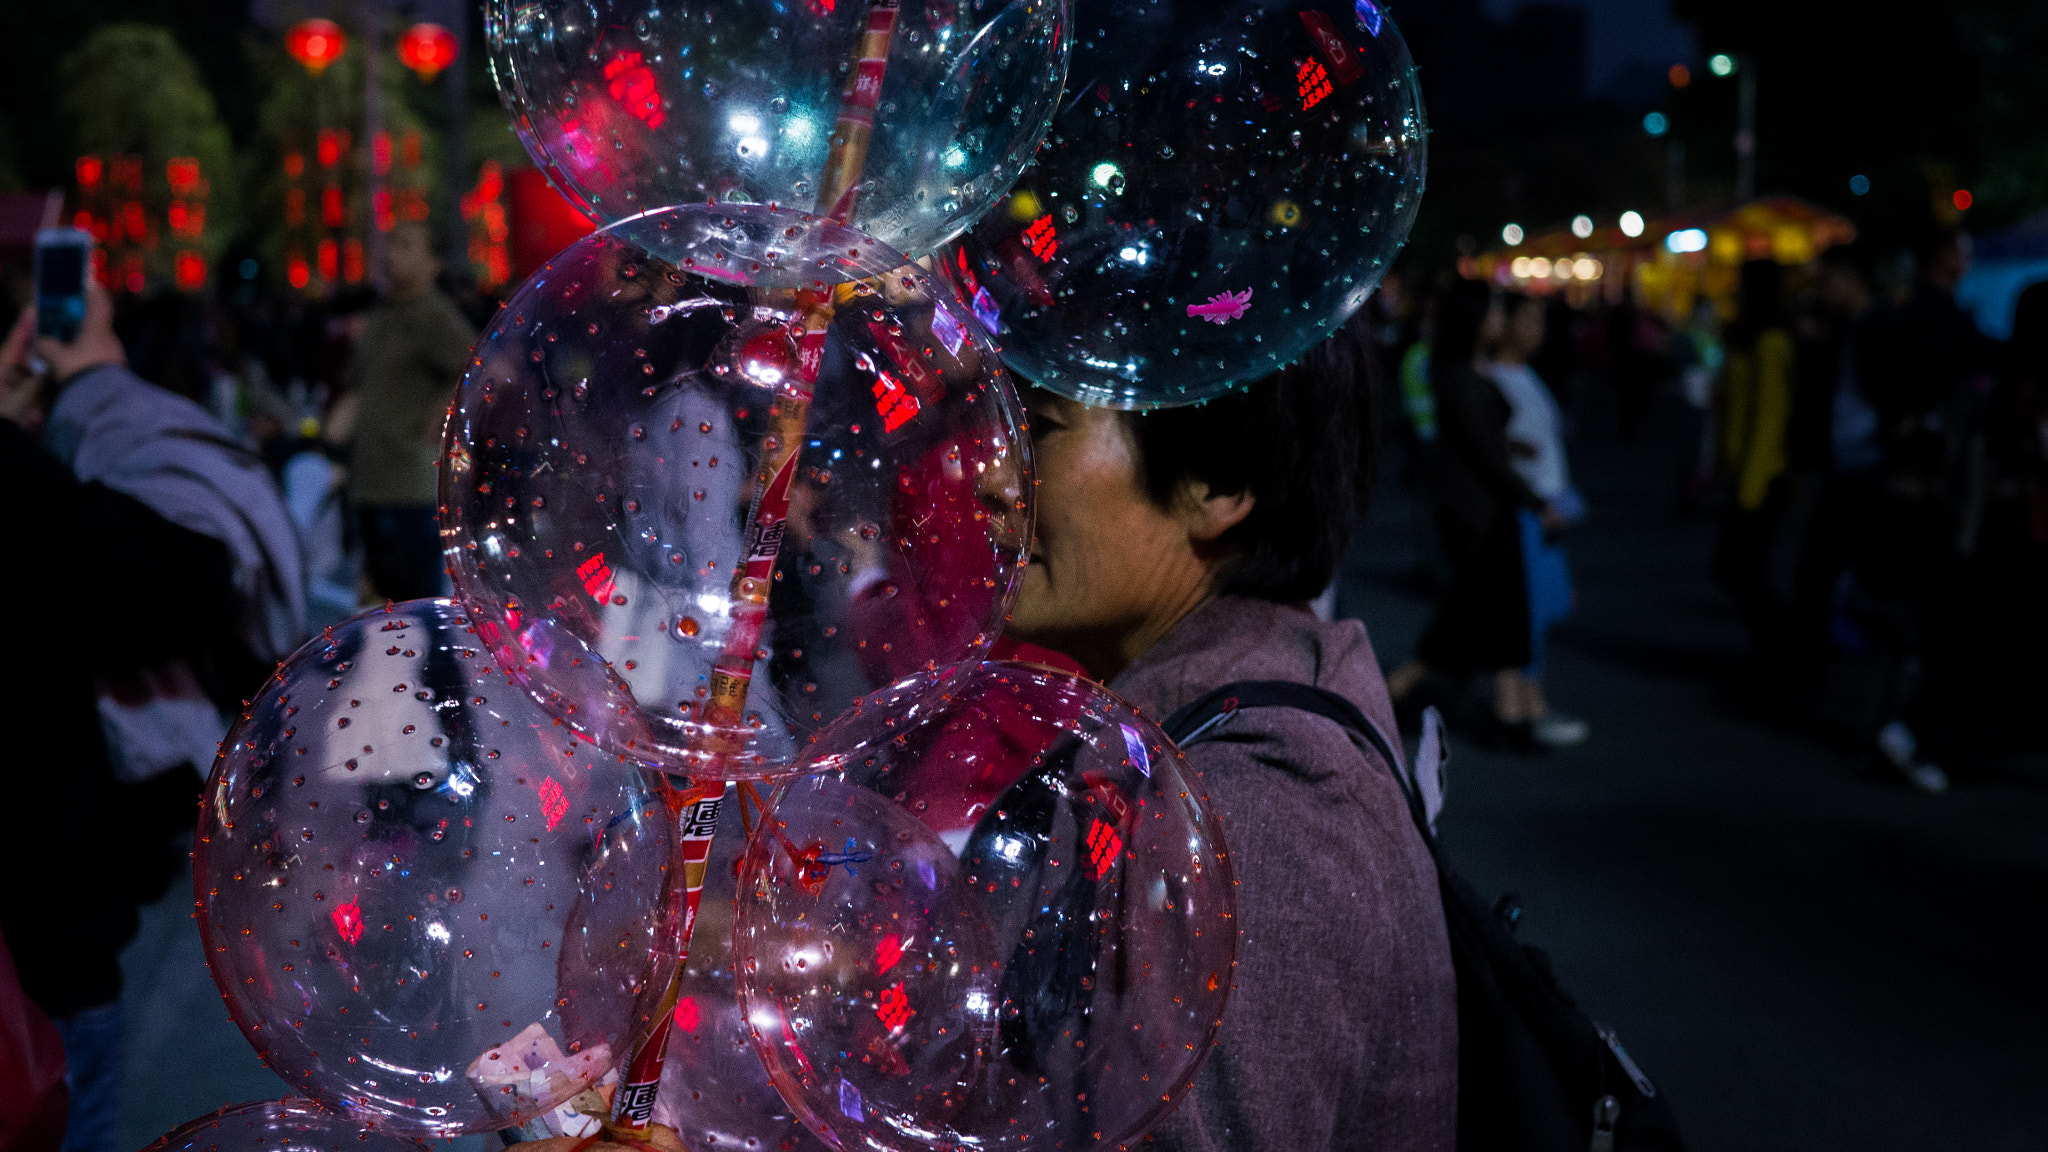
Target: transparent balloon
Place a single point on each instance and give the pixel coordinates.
(715, 1092)
(1225, 185)
(923, 110)
(281, 1126)
(675, 551)
(999, 915)
(425, 903)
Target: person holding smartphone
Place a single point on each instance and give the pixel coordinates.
(154, 577)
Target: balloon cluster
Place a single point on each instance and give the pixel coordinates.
(736, 493)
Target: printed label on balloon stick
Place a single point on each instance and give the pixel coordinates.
(633, 1107)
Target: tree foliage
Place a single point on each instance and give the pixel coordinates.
(130, 90)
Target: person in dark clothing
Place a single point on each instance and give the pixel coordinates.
(413, 351)
(1482, 623)
(79, 862)
(1755, 431)
(1929, 373)
(1841, 451)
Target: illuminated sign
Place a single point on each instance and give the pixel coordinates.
(1315, 83)
(1104, 842)
(631, 83)
(554, 803)
(596, 577)
(1041, 238)
(348, 920)
(893, 403)
(894, 1007)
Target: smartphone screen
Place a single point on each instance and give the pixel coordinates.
(61, 255)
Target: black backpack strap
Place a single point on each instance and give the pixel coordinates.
(1193, 723)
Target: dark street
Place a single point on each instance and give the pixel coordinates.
(1803, 952)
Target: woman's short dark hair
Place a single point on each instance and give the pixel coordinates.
(1300, 441)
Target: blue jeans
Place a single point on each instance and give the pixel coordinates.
(92, 1074)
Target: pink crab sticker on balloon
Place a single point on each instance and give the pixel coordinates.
(1223, 307)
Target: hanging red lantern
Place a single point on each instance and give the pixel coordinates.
(426, 49)
(315, 43)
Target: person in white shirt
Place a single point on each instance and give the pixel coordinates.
(1536, 450)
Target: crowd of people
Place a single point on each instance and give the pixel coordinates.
(1876, 461)
(1878, 464)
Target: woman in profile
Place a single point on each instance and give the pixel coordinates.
(1176, 552)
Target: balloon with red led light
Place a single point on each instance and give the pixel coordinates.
(997, 914)
(630, 105)
(640, 547)
(715, 1092)
(426, 904)
(1223, 187)
(282, 1126)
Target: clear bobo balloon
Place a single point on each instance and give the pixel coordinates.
(425, 903)
(998, 916)
(281, 1126)
(630, 105)
(1224, 185)
(717, 473)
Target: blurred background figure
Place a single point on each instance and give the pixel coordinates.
(1928, 375)
(1754, 421)
(1697, 352)
(1481, 624)
(166, 578)
(1636, 363)
(1535, 435)
(412, 352)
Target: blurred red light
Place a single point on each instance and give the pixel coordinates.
(426, 49)
(1962, 199)
(315, 43)
(189, 270)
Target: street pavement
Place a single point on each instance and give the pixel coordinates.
(1802, 953)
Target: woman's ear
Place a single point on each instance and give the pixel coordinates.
(1208, 515)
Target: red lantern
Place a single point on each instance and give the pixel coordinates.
(426, 49)
(315, 43)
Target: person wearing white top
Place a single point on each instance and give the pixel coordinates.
(1536, 450)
